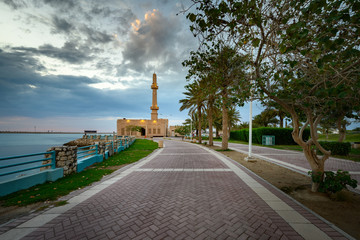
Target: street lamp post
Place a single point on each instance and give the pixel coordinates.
(250, 158)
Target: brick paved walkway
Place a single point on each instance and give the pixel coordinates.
(182, 191)
(296, 160)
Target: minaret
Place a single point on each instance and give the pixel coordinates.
(154, 108)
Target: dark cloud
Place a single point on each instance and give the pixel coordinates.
(17, 63)
(61, 25)
(153, 40)
(15, 4)
(63, 4)
(68, 53)
(95, 36)
(26, 93)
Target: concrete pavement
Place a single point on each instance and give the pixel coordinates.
(183, 191)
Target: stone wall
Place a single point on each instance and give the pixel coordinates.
(66, 157)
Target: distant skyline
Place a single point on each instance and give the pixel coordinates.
(74, 65)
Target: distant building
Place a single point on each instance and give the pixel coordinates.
(148, 128)
(90, 131)
(173, 133)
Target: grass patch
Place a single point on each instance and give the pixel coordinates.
(60, 203)
(350, 137)
(224, 150)
(51, 191)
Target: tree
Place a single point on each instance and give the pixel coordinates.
(278, 109)
(266, 117)
(182, 130)
(327, 124)
(234, 117)
(133, 128)
(194, 101)
(229, 77)
(304, 55)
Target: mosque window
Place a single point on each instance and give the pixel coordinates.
(158, 130)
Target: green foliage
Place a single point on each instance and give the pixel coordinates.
(282, 135)
(52, 190)
(134, 128)
(350, 137)
(337, 148)
(182, 130)
(139, 149)
(333, 182)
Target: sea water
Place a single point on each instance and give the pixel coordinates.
(12, 144)
(15, 144)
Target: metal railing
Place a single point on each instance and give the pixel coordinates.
(87, 151)
(109, 145)
(12, 165)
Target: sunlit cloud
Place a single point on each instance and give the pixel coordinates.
(108, 85)
(150, 14)
(136, 25)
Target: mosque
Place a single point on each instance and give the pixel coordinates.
(148, 128)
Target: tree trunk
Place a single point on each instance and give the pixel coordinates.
(199, 125)
(317, 167)
(217, 133)
(225, 116)
(342, 128)
(210, 118)
(281, 121)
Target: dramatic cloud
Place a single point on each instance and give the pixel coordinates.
(68, 53)
(26, 93)
(152, 43)
(77, 59)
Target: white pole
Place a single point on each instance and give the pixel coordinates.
(250, 126)
(250, 158)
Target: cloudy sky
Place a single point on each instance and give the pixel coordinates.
(74, 65)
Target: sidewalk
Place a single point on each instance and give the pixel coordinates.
(183, 191)
(296, 161)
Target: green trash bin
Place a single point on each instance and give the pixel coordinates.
(268, 140)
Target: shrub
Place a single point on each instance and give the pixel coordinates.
(337, 148)
(333, 182)
(282, 135)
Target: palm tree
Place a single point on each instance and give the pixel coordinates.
(229, 78)
(210, 93)
(266, 117)
(194, 101)
(234, 117)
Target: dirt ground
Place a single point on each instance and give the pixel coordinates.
(342, 209)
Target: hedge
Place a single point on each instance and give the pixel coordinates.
(337, 148)
(282, 135)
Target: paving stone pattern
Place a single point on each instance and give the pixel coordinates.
(182, 199)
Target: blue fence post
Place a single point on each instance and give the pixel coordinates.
(96, 148)
(53, 159)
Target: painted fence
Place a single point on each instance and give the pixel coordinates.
(29, 170)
